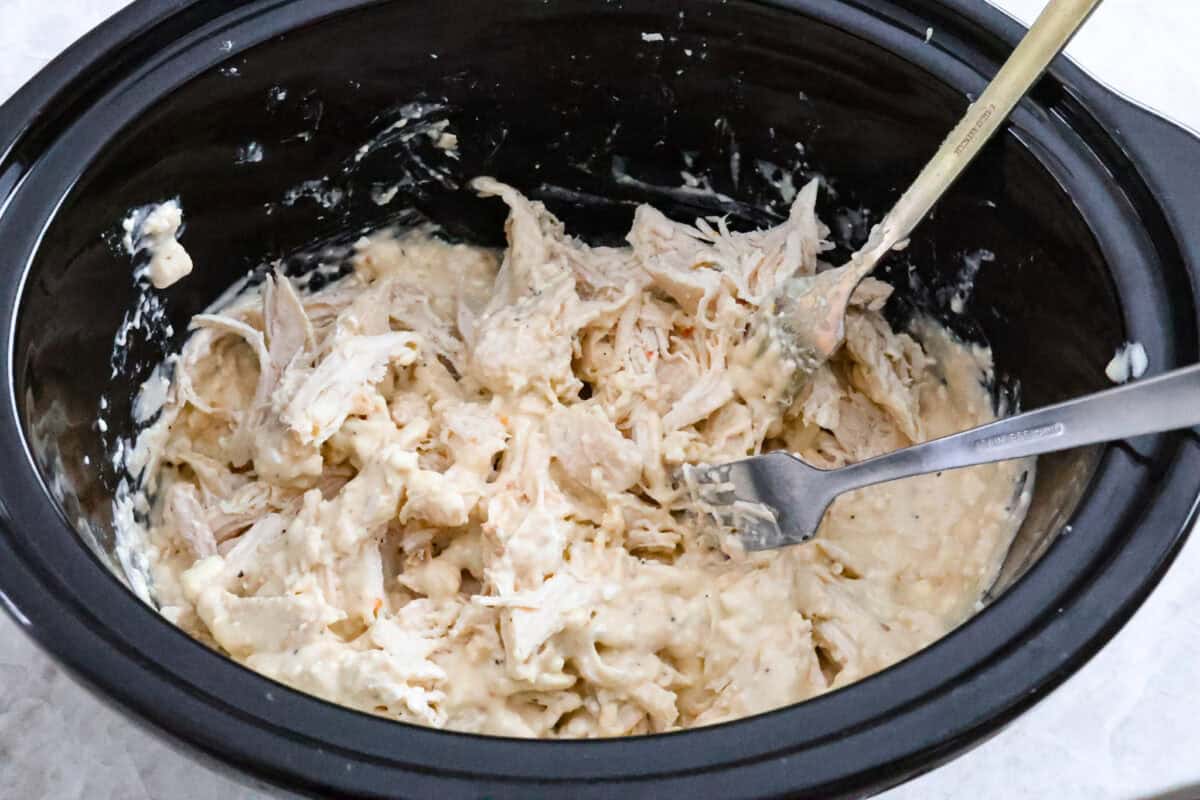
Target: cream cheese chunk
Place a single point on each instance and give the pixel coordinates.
(156, 233)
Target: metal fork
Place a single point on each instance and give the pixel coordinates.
(809, 321)
(775, 500)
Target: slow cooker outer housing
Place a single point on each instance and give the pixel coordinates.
(1131, 176)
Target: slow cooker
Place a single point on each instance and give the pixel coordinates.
(252, 113)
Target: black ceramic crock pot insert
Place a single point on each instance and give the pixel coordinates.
(1093, 231)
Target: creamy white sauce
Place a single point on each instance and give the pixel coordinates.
(249, 153)
(439, 489)
(1129, 362)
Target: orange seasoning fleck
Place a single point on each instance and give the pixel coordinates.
(378, 605)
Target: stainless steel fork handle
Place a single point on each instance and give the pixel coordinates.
(1162, 403)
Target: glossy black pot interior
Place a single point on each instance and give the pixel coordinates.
(570, 102)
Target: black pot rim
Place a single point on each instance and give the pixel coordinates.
(883, 729)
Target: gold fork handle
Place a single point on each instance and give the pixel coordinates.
(1054, 27)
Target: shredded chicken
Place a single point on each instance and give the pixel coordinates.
(439, 488)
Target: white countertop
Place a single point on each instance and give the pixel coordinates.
(1126, 727)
